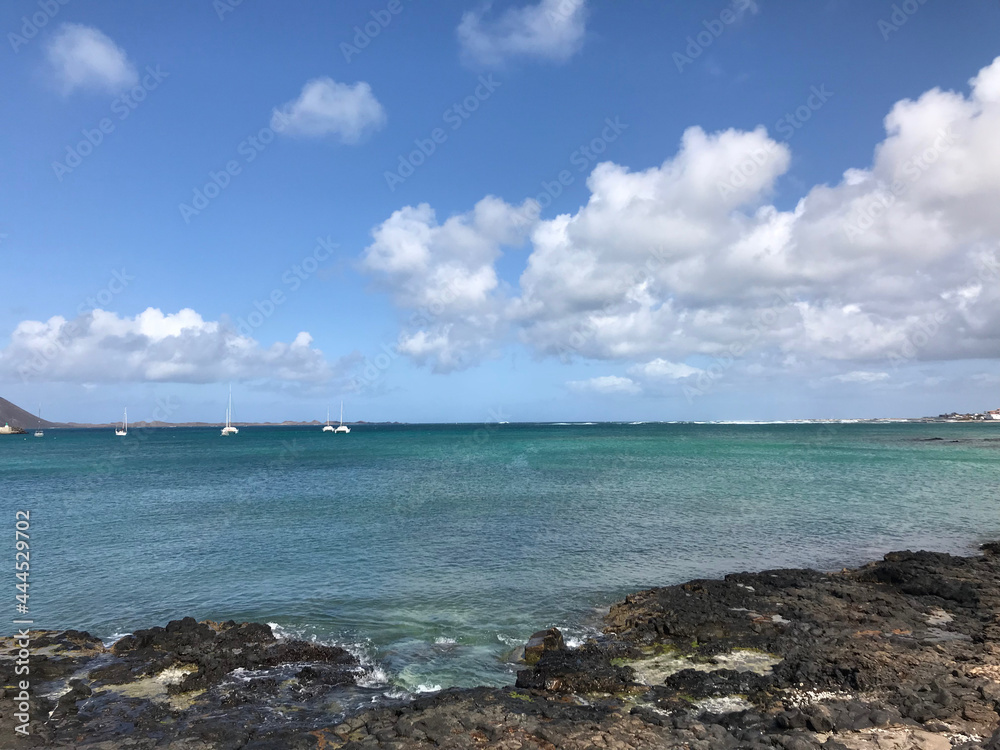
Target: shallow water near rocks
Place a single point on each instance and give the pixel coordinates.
(654, 669)
(434, 550)
(155, 687)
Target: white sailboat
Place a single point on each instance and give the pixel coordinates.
(123, 431)
(229, 429)
(38, 432)
(342, 427)
(328, 427)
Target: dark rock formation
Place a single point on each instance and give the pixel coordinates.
(182, 683)
(542, 641)
(584, 670)
(902, 653)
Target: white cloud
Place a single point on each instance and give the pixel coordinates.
(663, 370)
(326, 108)
(899, 262)
(861, 376)
(606, 384)
(445, 274)
(101, 347)
(549, 29)
(661, 260)
(649, 378)
(81, 57)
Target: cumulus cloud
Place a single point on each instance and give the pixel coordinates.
(861, 376)
(549, 30)
(606, 384)
(102, 347)
(635, 271)
(651, 378)
(445, 275)
(326, 108)
(690, 261)
(663, 370)
(81, 57)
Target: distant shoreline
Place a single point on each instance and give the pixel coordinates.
(720, 422)
(168, 425)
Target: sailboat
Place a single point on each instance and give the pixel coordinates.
(38, 432)
(342, 427)
(124, 428)
(229, 429)
(328, 427)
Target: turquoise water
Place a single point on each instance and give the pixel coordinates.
(434, 549)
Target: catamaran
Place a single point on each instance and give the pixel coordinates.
(328, 427)
(123, 430)
(38, 432)
(343, 428)
(229, 429)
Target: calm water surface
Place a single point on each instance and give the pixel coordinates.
(434, 549)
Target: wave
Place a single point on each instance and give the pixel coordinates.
(108, 642)
(370, 674)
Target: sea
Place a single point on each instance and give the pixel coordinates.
(434, 551)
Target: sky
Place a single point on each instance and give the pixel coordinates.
(544, 210)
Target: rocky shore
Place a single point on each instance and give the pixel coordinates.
(903, 653)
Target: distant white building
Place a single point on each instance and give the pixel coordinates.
(994, 414)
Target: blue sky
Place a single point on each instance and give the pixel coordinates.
(653, 282)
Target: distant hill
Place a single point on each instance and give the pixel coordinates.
(15, 416)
